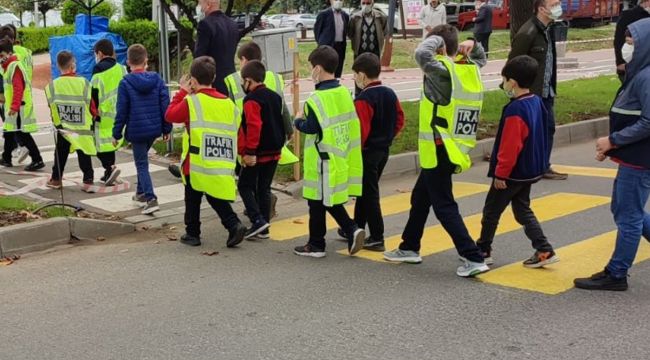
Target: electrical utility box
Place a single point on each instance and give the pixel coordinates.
(278, 47)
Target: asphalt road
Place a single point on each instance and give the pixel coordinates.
(144, 297)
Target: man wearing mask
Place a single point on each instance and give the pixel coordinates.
(483, 24)
(431, 16)
(331, 30)
(367, 29)
(535, 39)
(627, 18)
(217, 37)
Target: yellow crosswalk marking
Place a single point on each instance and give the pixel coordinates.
(580, 259)
(436, 239)
(586, 171)
(394, 204)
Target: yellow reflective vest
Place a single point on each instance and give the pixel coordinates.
(333, 167)
(24, 55)
(456, 123)
(26, 113)
(107, 83)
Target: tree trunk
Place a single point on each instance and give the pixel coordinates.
(520, 12)
(258, 18)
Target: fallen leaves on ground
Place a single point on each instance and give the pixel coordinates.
(6, 261)
(172, 237)
(210, 253)
(299, 221)
(101, 238)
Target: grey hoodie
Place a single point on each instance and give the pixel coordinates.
(635, 93)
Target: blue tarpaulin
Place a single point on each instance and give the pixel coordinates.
(82, 48)
(89, 25)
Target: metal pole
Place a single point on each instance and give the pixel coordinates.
(36, 13)
(164, 57)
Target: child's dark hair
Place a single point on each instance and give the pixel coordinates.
(449, 35)
(64, 59)
(203, 69)
(137, 54)
(326, 57)
(7, 32)
(367, 63)
(254, 70)
(522, 69)
(250, 51)
(105, 46)
(6, 45)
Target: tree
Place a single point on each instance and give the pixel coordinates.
(73, 7)
(46, 5)
(136, 9)
(520, 12)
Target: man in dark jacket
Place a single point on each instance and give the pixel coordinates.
(483, 24)
(217, 37)
(535, 39)
(628, 17)
(331, 30)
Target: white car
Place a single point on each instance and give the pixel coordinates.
(9, 18)
(277, 21)
(300, 21)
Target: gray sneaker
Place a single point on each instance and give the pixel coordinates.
(471, 269)
(151, 207)
(22, 154)
(405, 256)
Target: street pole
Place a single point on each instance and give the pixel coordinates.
(36, 13)
(296, 105)
(164, 57)
(388, 40)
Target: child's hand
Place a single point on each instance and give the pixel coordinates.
(466, 47)
(601, 156)
(185, 83)
(115, 142)
(500, 184)
(166, 137)
(12, 113)
(603, 145)
(250, 160)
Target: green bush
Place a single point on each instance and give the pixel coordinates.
(37, 39)
(143, 32)
(71, 9)
(136, 10)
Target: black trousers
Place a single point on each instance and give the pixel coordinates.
(340, 48)
(318, 225)
(517, 194)
(484, 40)
(108, 161)
(433, 189)
(13, 138)
(193, 210)
(255, 190)
(61, 158)
(367, 209)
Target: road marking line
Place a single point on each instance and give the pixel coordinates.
(436, 239)
(298, 226)
(122, 202)
(126, 170)
(586, 171)
(580, 259)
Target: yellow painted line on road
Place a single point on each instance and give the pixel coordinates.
(581, 259)
(586, 171)
(436, 239)
(394, 204)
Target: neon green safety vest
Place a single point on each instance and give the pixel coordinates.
(332, 165)
(106, 84)
(69, 101)
(461, 116)
(24, 55)
(27, 117)
(212, 145)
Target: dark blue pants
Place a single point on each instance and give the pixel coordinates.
(549, 104)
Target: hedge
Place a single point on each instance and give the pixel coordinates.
(37, 39)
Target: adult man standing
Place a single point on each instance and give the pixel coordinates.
(535, 38)
(331, 29)
(627, 18)
(366, 30)
(431, 16)
(217, 37)
(483, 24)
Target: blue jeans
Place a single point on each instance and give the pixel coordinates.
(141, 158)
(629, 197)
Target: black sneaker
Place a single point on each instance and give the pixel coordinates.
(190, 240)
(35, 166)
(236, 235)
(256, 228)
(342, 235)
(355, 242)
(541, 258)
(5, 163)
(263, 235)
(374, 245)
(174, 170)
(554, 175)
(110, 176)
(601, 281)
(274, 201)
(310, 251)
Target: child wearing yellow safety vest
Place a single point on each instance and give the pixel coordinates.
(209, 150)
(107, 75)
(449, 113)
(19, 117)
(69, 99)
(332, 163)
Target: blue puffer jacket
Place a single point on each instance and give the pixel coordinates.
(142, 100)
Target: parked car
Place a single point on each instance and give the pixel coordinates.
(9, 18)
(455, 9)
(240, 19)
(397, 25)
(276, 21)
(300, 21)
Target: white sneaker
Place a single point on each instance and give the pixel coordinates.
(471, 269)
(405, 256)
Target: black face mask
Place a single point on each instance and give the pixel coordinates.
(244, 89)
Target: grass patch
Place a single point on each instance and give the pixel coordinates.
(16, 210)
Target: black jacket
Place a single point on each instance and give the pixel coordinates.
(531, 40)
(217, 37)
(325, 30)
(483, 22)
(627, 17)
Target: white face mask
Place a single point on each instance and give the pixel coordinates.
(648, 9)
(510, 93)
(366, 9)
(556, 12)
(627, 51)
(337, 5)
(315, 76)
